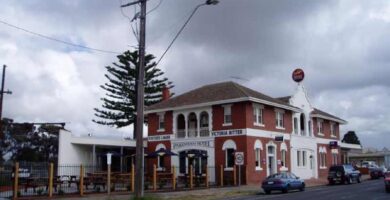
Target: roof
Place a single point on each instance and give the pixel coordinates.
(326, 115)
(316, 111)
(218, 92)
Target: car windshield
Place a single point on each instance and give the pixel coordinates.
(280, 175)
(336, 168)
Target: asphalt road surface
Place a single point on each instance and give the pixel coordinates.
(370, 190)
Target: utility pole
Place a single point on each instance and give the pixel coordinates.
(139, 151)
(2, 92)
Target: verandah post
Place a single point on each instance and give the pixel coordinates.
(221, 176)
(154, 178)
(81, 181)
(51, 169)
(207, 177)
(132, 177)
(234, 175)
(191, 177)
(16, 179)
(173, 178)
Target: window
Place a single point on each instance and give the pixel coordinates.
(334, 159)
(279, 119)
(161, 124)
(229, 158)
(295, 125)
(304, 158)
(257, 114)
(257, 158)
(283, 154)
(299, 158)
(320, 127)
(322, 160)
(309, 127)
(160, 162)
(333, 129)
(227, 114)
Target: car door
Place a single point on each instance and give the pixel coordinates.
(295, 183)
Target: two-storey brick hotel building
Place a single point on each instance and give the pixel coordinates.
(216, 120)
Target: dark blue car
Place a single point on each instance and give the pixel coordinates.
(283, 181)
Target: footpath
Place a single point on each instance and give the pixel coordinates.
(202, 194)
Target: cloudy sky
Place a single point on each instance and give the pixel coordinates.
(343, 47)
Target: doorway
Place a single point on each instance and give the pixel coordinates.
(271, 160)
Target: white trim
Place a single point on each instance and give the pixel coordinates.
(280, 128)
(335, 151)
(258, 145)
(279, 110)
(225, 102)
(283, 146)
(161, 130)
(160, 146)
(325, 141)
(258, 124)
(322, 150)
(266, 134)
(228, 169)
(227, 124)
(329, 118)
(229, 144)
(350, 146)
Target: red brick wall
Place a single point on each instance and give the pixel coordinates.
(153, 161)
(326, 129)
(323, 173)
(153, 124)
(242, 117)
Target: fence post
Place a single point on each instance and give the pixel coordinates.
(234, 175)
(173, 178)
(109, 179)
(132, 177)
(221, 176)
(16, 179)
(81, 184)
(191, 177)
(51, 180)
(207, 177)
(154, 178)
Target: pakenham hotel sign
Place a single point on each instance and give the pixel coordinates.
(187, 144)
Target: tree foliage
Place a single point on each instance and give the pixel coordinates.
(119, 104)
(27, 142)
(351, 138)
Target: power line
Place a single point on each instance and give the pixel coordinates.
(151, 10)
(57, 40)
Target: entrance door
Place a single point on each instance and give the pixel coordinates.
(271, 161)
(195, 158)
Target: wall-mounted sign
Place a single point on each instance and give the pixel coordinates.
(279, 138)
(159, 137)
(298, 75)
(195, 144)
(333, 144)
(228, 132)
(239, 158)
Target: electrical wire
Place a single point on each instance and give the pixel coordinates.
(130, 22)
(178, 33)
(153, 9)
(57, 40)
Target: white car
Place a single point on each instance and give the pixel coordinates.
(23, 173)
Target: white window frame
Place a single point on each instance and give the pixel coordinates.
(161, 120)
(158, 147)
(258, 113)
(295, 125)
(279, 119)
(228, 144)
(333, 130)
(304, 158)
(334, 158)
(258, 147)
(320, 127)
(323, 160)
(299, 158)
(227, 111)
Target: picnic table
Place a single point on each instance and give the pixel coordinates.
(34, 182)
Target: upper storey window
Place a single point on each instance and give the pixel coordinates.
(227, 115)
(320, 127)
(258, 114)
(333, 129)
(279, 118)
(161, 122)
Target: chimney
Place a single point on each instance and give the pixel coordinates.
(165, 93)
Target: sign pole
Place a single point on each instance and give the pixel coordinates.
(239, 175)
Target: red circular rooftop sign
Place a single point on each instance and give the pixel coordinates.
(298, 75)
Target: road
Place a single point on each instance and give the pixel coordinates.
(370, 189)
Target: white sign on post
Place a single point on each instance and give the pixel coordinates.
(109, 158)
(239, 158)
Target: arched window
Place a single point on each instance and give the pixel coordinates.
(322, 159)
(283, 154)
(229, 146)
(258, 147)
(160, 159)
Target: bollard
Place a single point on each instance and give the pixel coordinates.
(173, 178)
(154, 178)
(81, 184)
(132, 177)
(16, 179)
(51, 169)
(207, 177)
(109, 179)
(191, 178)
(221, 176)
(234, 175)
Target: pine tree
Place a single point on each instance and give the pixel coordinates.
(119, 103)
(351, 138)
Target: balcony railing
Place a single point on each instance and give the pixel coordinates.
(204, 132)
(181, 133)
(192, 133)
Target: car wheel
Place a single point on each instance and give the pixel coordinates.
(286, 190)
(302, 187)
(267, 191)
(331, 182)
